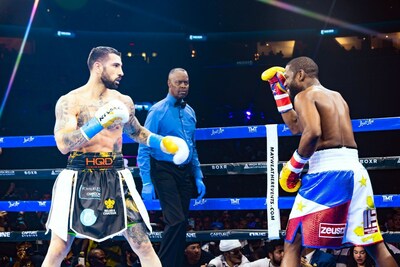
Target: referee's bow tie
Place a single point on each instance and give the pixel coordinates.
(180, 103)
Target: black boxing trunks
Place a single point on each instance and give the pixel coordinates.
(98, 207)
(88, 198)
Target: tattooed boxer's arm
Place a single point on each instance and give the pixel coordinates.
(68, 136)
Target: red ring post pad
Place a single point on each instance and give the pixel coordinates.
(255, 131)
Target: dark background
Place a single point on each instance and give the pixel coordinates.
(224, 75)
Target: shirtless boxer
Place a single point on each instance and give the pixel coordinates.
(88, 196)
(334, 205)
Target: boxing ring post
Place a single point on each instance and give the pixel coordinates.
(246, 168)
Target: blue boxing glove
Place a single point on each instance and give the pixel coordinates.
(148, 191)
(201, 188)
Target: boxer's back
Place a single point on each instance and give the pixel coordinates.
(335, 119)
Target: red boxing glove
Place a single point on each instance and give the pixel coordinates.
(276, 79)
(289, 178)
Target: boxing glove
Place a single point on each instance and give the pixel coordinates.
(289, 177)
(276, 79)
(113, 111)
(170, 145)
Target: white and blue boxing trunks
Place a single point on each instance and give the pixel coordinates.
(89, 199)
(335, 203)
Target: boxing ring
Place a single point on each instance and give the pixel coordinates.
(232, 203)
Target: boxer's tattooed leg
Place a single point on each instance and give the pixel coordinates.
(138, 233)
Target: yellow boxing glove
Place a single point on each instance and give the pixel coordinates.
(170, 145)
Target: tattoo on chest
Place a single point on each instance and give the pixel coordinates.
(101, 103)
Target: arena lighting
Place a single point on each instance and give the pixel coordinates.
(19, 56)
(329, 31)
(249, 114)
(199, 37)
(321, 17)
(65, 34)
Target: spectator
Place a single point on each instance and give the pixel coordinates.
(5, 261)
(4, 226)
(195, 256)
(7, 248)
(23, 255)
(97, 258)
(254, 249)
(396, 222)
(198, 224)
(275, 252)
(231, 254)
(128, 257)
(19, 224)
(9, 191)
(211, 247)
(358, 257)
(207, 223)
(111, 248)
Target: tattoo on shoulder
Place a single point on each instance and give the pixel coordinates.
(61, 113)
(66, 119)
